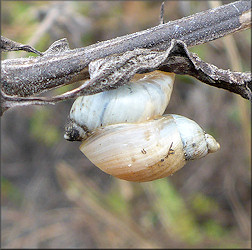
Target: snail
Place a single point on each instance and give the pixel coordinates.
(124, 133)
(149, 150)
(145, 97)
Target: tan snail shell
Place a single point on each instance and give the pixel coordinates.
(125, 135)
(149, 150)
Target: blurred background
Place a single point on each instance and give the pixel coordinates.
(53, 197)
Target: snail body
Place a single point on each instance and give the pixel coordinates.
(143, 98)
(124, 133)
(149, 150)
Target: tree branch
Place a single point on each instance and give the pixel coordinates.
(60, 65)
(9, 45)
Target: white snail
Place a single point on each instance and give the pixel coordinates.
(145, 97)
(142, 147)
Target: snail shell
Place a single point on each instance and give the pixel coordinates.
(144, 97)
(148, 150)
(125, 135)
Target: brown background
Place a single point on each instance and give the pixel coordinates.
(53, 197)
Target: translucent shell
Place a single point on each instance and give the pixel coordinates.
(148, 150)
(143, 98)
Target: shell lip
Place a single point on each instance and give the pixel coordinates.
(74, 132)
(72, 135)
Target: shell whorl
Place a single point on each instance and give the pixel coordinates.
(196, 142)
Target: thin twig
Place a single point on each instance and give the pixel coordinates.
(162, 13)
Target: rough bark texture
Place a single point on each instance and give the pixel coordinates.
(162, 47)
